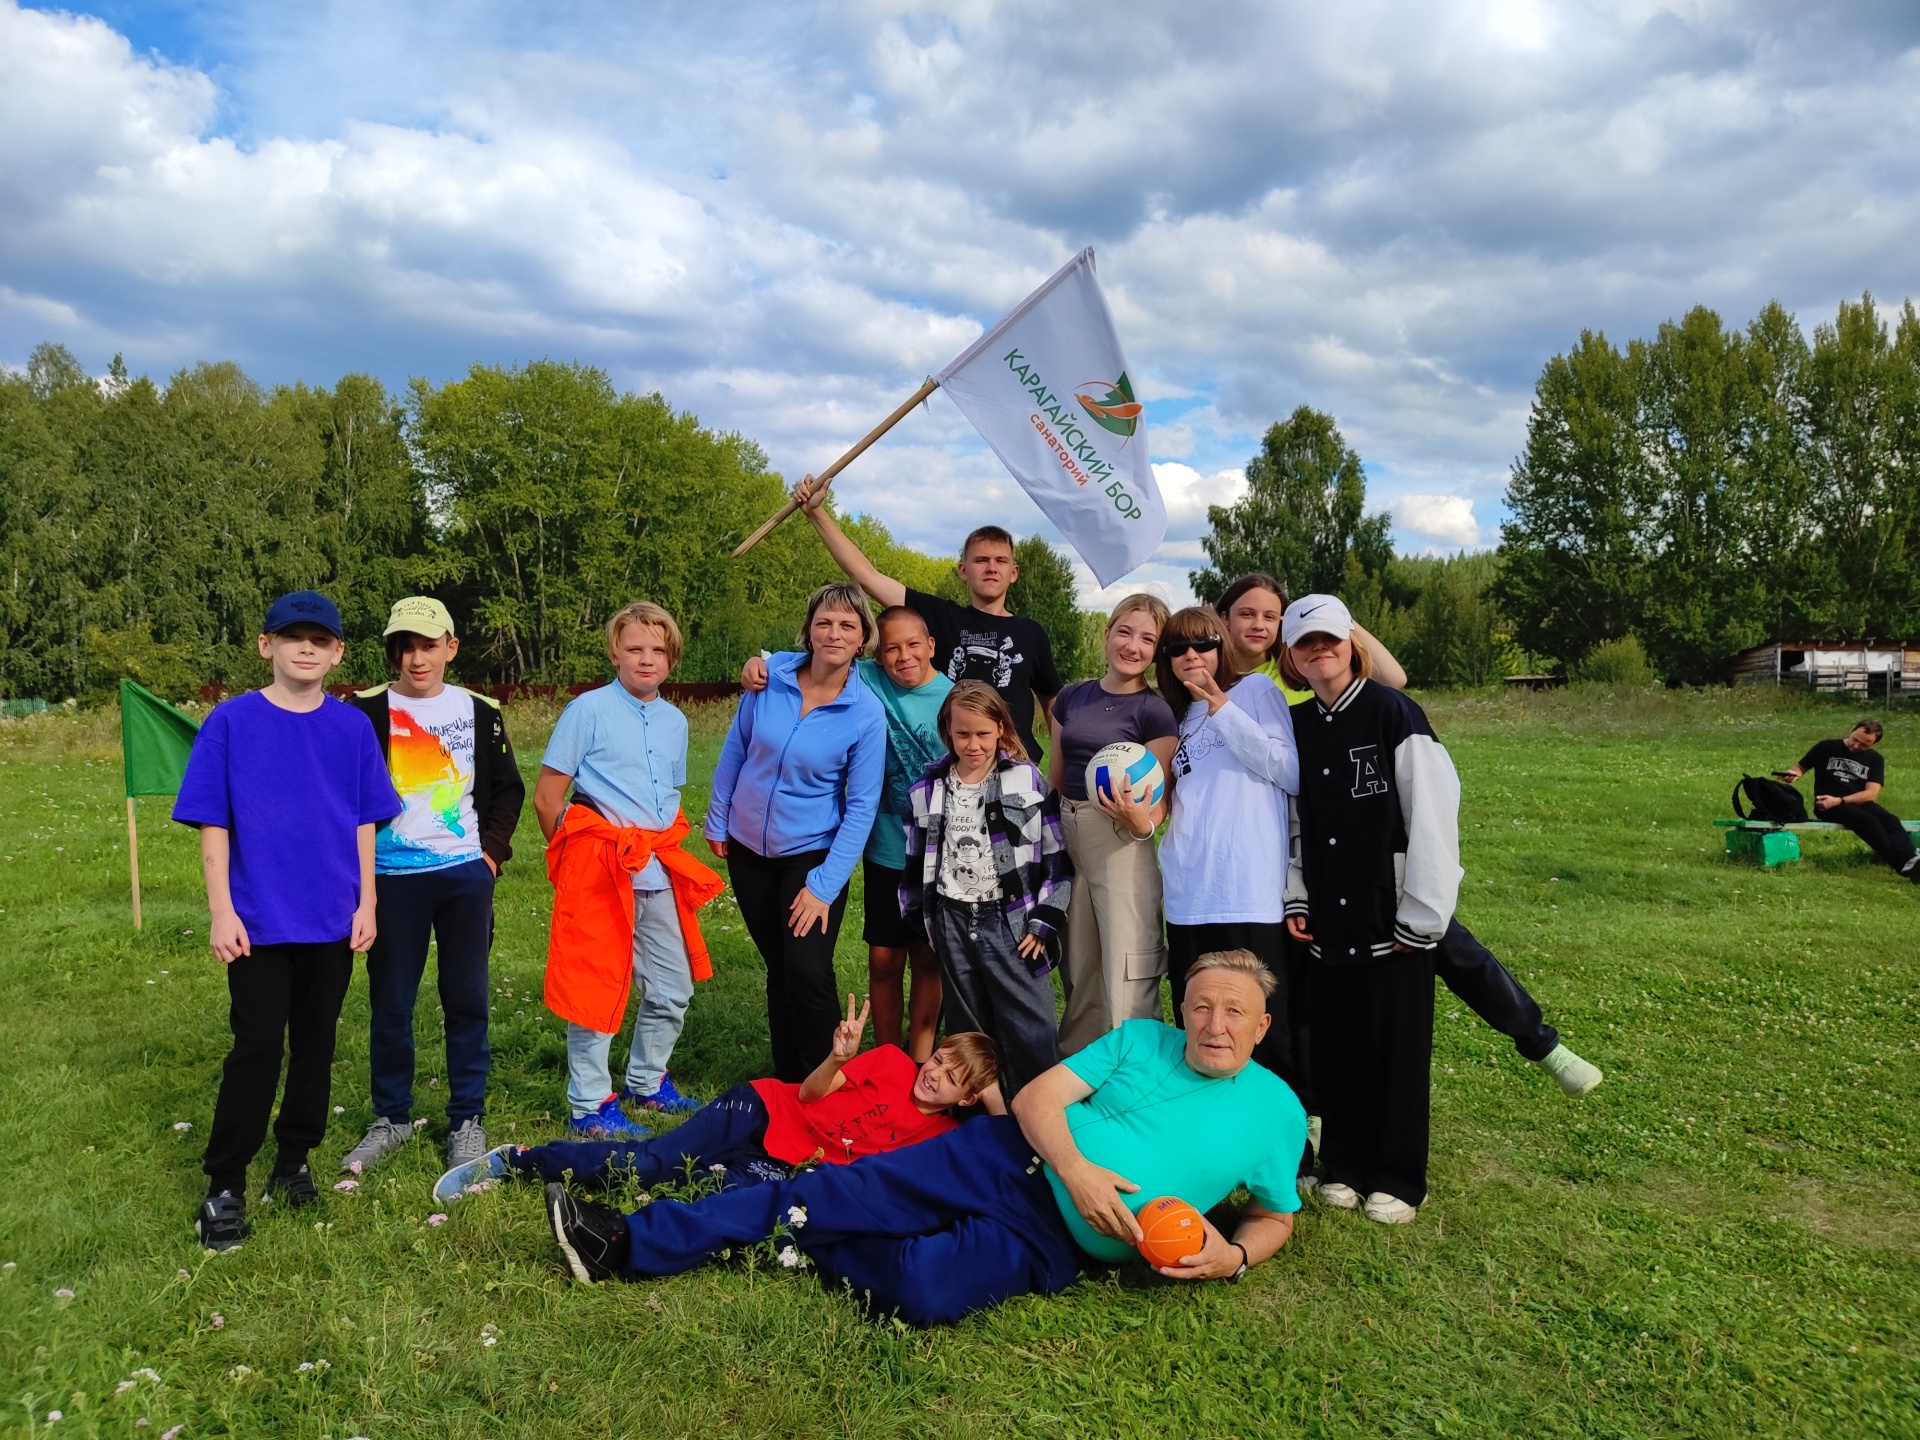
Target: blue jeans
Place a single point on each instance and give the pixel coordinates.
(929, 1233)
(731, 1132)
(454, 906)
(664, 978)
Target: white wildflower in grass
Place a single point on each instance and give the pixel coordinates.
(717, 1169)
(142, 1423)
(356, 1167)
(304, 1366)
(436, 1219)
(173, 1434)
(239, 1372)
(183, 1125)
(147, 1372)
(183, 1274)
(490, 1340)
(339, 1109)
(480, 1186)
(796, 1215)
(793, 1259)
(219, 1322)
(53, 1417)
(8, 1266)
(63, 1293)
(346, 1185)
(124, 1386)
(421, 1121)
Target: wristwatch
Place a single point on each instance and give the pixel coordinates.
(1245, 1264)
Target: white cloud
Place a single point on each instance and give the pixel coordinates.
(782, 217)
(1447, 519)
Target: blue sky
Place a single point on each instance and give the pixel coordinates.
(782, 216)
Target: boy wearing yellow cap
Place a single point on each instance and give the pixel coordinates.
(434, 869)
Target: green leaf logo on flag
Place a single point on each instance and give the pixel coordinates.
(155, 740)
(1116, 411)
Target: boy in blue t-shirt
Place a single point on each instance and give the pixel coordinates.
(286, 786)
(911, 691)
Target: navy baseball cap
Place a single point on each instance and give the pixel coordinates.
(303, 607)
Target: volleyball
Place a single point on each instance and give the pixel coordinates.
(1170, 1230)
(1133, 761)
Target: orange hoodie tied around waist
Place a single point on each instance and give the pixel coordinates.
(592, 862)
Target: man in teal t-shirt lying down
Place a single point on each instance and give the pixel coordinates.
(1015, 1205)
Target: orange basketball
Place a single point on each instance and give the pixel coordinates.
(1170, 1230)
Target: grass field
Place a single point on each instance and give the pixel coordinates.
(1724, 1240)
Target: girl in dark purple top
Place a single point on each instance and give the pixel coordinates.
(1116, 953)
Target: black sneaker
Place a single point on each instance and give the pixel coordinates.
(222, 1221)
(592, 1236)
(294, 1189)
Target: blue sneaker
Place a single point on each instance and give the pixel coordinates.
(609, 1122)
(475, 1174)
(665, 1098)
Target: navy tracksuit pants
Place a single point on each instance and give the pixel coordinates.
(730, 1132)
(930, 1233)
(453, 907)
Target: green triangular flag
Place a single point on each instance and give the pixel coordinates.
(155, 740)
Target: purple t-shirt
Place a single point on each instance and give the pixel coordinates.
(1086, 719)
(292, 789)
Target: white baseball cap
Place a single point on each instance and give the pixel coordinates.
(1315, 615)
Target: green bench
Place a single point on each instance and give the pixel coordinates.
(1771, 844)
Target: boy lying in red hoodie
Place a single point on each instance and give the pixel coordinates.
(851, 1105)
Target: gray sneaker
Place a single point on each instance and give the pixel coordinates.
(381, 1140)
(468, 1142)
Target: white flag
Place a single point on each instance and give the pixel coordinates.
(1048, 390)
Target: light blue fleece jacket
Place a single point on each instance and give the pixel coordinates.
(787, 784)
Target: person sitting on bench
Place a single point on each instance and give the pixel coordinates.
(1847, 776)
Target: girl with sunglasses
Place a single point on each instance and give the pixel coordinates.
(1225, 845)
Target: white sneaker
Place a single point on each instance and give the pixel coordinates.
(1576, 1076)
(1388, 1210)
(1341, 1197)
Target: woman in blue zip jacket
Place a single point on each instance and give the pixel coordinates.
(794, 797)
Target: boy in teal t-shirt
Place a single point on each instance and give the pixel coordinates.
(911, 691)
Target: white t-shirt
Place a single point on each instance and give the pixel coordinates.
(1224, 855)
(966, 852)
(430, 757)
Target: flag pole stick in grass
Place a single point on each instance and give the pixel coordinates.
(155, 740)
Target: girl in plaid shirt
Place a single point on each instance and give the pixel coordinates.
(987, 877)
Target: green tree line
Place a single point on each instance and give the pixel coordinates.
(146, 527)
(1711, 489)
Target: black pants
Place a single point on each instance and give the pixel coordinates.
(455, 907)
(1469, 970)
(1373, 1056)
(803, 997)
(989, 986)
(1876, 825)
(290, 991)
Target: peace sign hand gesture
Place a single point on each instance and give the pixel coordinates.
(846, 1035)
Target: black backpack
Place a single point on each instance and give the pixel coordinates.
(1772, 800)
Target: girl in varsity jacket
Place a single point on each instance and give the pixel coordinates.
(1372, 879)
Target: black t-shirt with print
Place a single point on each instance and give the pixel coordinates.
(1009, 652)
(1836, 770)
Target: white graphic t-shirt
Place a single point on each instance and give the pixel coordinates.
(430, 757)
(966, 853)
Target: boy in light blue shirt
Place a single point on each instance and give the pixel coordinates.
(623, 750)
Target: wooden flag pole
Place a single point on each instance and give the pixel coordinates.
(825, 477)
(133, 861)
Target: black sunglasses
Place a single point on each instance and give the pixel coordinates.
(1174, 646)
